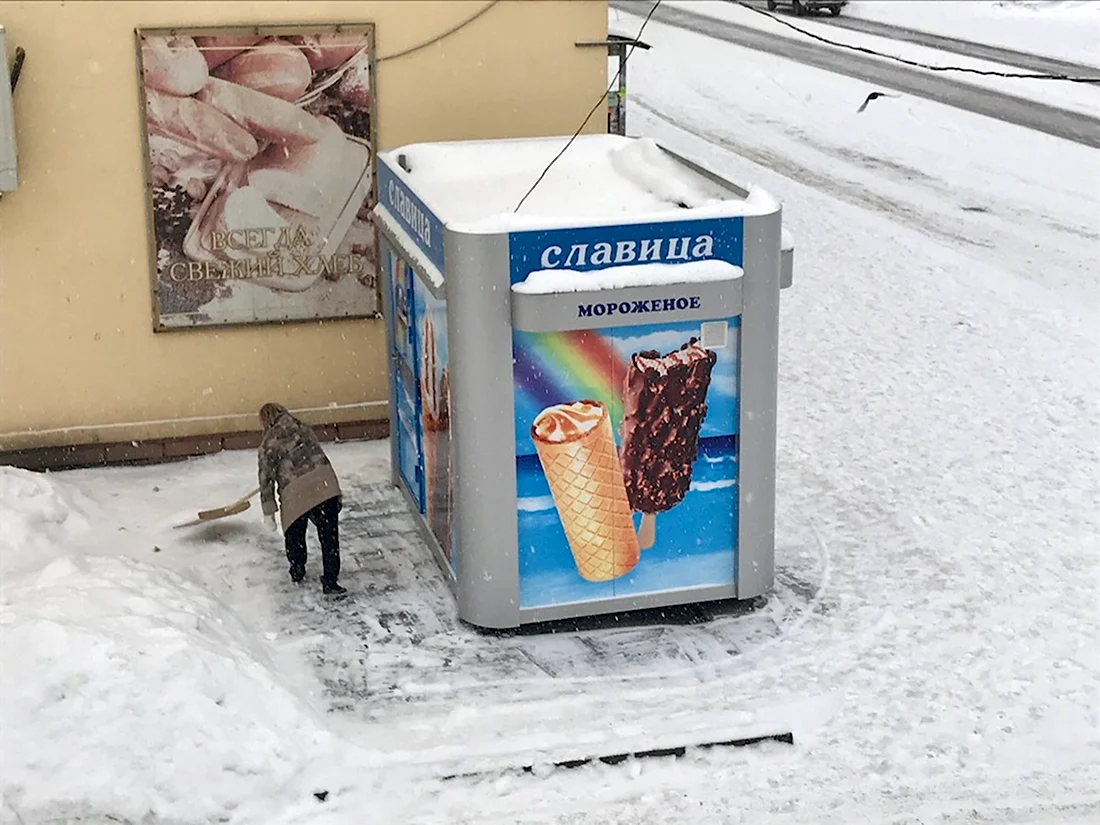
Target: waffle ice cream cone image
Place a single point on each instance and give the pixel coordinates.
(576, 447)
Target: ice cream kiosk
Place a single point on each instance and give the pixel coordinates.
(583, 388)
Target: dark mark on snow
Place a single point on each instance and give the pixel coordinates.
(656, 753)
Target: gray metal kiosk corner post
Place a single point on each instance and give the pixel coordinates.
(759, 398)
(480, 335)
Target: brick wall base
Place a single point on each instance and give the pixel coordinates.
(155, 451)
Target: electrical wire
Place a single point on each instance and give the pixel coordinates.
(601, 102)
(914, 63)
(439, 37)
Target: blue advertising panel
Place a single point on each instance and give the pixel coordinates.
(626, 461)
(404, 377)
(421, 224)
(626, 436)
(434, 411)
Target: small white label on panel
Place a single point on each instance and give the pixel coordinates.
(714, 334)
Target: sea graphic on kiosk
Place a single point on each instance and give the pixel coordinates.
(626, 460)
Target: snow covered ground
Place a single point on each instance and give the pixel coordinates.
(1066, 29)
(1075, 97)
(931, 641)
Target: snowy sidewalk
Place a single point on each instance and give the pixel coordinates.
(390, 664)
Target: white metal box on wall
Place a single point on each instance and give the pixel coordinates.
(9, 178)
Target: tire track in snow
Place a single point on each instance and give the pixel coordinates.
(850, 191)
(975, 223)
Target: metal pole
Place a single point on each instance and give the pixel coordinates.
(622, 89)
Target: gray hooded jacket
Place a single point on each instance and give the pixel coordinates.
(291, 457)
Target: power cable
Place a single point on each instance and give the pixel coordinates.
(914, 63)
(439, 37)
(601, 102)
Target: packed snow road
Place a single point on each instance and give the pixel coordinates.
(955, 45)
(967, 48)
(1070, 125)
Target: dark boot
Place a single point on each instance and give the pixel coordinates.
(332, 588)
(297, 574)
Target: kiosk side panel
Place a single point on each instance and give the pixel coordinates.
(759, 392)
(417, 328)
(433, 374)
(405, 450)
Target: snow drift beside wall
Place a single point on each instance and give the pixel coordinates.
(37, 512)
(127, 690)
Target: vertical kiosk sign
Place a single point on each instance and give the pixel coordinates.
(626, 420)
(420, 374)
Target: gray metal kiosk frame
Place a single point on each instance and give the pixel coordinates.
(470, 271)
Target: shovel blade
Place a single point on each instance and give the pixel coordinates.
(222, 512)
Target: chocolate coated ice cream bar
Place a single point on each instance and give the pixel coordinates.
(664, 404)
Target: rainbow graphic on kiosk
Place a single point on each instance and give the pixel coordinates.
(561, 367)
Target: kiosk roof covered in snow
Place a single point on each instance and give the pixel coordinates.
(475, 186)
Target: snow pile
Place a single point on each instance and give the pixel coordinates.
(653, 171)
(546, 281)
(37, 512)
(129, 691)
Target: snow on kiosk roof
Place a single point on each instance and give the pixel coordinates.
(474, 186)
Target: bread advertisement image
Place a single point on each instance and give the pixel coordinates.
(260, 160)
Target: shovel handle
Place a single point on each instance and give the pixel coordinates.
(249, 496)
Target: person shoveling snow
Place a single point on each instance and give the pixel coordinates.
(291, 457)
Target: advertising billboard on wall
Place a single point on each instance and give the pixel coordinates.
(260, 158)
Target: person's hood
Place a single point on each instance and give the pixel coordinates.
(271, 413)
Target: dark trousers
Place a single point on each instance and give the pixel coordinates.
(325, 517)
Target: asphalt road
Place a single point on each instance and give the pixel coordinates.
(1073, 126)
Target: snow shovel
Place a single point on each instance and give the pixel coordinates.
(238, 506)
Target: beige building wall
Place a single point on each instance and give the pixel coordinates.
(79, 362)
